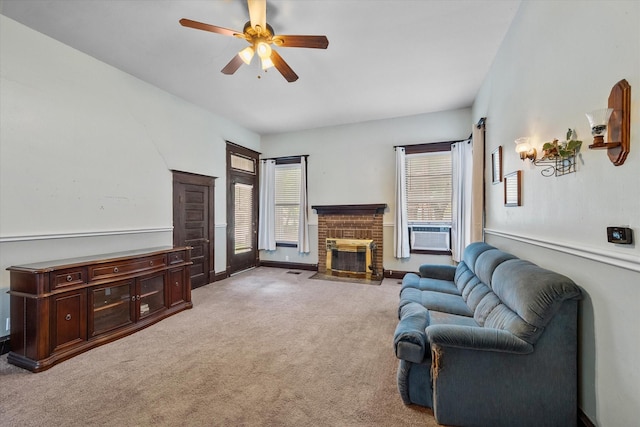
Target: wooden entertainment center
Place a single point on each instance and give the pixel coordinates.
(60, 309)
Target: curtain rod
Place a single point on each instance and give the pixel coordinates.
(426, 143)
(286, 157)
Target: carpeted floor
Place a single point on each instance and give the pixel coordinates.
(263, 348)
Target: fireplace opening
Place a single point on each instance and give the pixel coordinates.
(350, 257)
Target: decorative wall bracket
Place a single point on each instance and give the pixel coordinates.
(557, 166)
(619, 125)
(560, 157)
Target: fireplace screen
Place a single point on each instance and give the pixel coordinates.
(350, 257)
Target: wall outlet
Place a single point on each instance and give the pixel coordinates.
(7, 324)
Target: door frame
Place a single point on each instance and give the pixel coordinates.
(248, 153)
(188, 178)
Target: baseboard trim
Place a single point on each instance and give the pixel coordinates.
(220, 276)
(583, 420)
(5, 345)
(394, 274)
(289, 265)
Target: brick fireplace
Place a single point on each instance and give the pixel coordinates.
(356, 227)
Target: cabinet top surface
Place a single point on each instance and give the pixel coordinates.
(44, 266)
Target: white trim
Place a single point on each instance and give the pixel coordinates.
(629, 262)
(84, 234)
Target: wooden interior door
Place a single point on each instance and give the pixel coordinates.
(193, 223)
(242, 208)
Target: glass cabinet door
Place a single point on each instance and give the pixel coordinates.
(111, 307)
(151, 294)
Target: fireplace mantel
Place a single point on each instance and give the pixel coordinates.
(369, 209)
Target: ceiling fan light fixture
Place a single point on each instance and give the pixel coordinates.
(263, 49)
(266, 63)
(246, 54)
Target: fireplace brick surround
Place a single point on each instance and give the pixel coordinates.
(350, 222)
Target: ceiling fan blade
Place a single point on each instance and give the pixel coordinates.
(283, 67)
(315, 42)
(208, 27)
(233, 65)
(258, 13)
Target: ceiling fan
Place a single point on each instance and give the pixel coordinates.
(260, 35)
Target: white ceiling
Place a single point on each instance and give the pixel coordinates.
(386, 58)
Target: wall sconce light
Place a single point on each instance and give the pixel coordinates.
(524, 148)
(617, 121)
(599, 120)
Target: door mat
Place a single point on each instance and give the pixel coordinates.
(330, 278)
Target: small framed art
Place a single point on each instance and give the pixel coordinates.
(512, 186)
(496, 165)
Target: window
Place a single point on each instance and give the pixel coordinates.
(287, 201)
(429, 188)
(429, 197)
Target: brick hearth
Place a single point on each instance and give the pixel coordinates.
(350, 222)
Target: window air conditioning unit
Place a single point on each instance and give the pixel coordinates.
(430, 238)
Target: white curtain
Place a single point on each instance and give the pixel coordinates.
(267, 207)
(467, 192)
(400, 223)
(303, 222)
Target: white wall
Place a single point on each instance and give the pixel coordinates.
(558, 61)
(355, 164)
(86, 153)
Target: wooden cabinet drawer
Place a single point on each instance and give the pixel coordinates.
(62, 278)
(126, 267)
(177, 257)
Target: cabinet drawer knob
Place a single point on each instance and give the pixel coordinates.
(150, 262)
(138, 297)
(67, 317)
(177, 284)
(115, 269)
(69, 278)
(133, 297)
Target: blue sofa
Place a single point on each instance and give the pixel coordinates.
(489, 342)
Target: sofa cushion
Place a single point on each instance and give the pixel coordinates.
(463, 276)
(485, 307)
(442, 318)
(488, 261)
(502, 317)
(412, 280)
(438, 301)
(473, 251)
(534, 293)
(471, 284)
(475, 296)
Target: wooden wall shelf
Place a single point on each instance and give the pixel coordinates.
(619, 127)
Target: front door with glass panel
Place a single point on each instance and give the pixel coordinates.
(242, 208)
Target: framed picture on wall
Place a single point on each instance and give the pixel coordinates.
(512, 186)
(496, 165)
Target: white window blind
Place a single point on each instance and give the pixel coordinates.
(242, 163)
(287, 195)
(429, 187)
(243, 215)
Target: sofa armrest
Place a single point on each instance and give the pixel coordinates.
(476, 338)
(409, 340)
(442, 272)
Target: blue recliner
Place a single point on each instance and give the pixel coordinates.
(491, 342)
